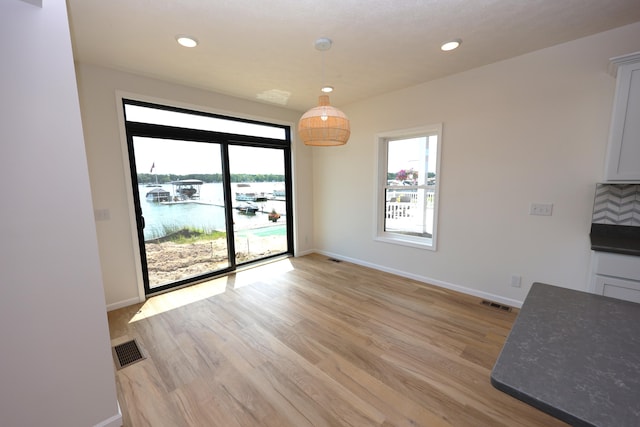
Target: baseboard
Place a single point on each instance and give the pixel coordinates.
(303, 253)
(427, 280)
(114, 421)
(131, 301)
(125, 303)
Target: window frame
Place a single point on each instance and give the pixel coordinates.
(142, 128)
(381, 159)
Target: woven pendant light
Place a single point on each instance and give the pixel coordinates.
(324, 125)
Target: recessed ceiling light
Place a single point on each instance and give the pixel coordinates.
(450, 45)
(187, 41)
(327, 89)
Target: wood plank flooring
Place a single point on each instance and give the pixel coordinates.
(310, 342)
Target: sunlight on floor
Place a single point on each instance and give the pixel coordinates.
(191, 294)
(181, 297)
(262, 272)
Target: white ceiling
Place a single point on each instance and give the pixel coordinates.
(252, 47)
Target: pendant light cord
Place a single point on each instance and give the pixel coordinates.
(324, 115)
(323, 81)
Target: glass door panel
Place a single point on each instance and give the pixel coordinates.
(259, 202)
(181, 198)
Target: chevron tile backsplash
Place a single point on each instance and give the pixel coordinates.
(617, 204)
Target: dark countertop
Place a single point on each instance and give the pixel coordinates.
(621, 239)
(575, 356)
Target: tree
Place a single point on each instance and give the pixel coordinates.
(409, 174)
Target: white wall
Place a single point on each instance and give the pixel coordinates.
(97, 87)
(529, 129)
(56, 367)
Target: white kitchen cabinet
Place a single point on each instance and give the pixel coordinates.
(628, 290)
(616, 275)
(623, 153)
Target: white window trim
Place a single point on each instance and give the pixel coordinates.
(380, 181)
(119, 96)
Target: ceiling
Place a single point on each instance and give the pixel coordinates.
(264, 50)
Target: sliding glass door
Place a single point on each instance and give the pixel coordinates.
(206, 200)
(185, 230)
(259, 200)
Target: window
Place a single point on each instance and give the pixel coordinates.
(210, 192)
(407, 189)
(201, 121)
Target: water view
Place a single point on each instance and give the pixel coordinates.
(207, 212)
(181, 195)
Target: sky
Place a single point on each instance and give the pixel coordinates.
(188, 157)
(406, 154)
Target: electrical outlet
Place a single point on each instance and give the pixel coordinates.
(516, 281)
(544, 209)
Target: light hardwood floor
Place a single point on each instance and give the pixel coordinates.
(310, 342)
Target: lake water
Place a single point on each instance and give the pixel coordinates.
(208, 215)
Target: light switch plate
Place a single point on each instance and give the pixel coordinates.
(544, 209)
(102, 214)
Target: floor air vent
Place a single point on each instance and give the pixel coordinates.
(496, 305)
(334, 260)
(127, 353)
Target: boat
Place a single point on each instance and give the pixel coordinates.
(247, 208)
(186, 189)
(158, 195)
(244, 193)
(279, 193)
